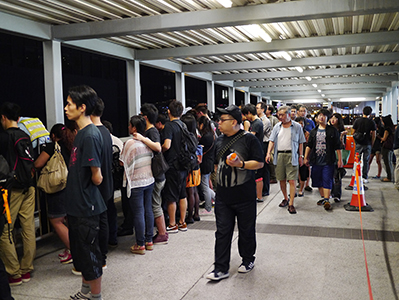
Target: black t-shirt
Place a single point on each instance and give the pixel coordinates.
(84, 198)
(364, 125)
(257, 127)
(153, 135)
(208, 141)
(234, 184)
(107, 186)
(49, 148)
(172, 131)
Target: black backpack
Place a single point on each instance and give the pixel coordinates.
(187, 159)
(21, 160)
(117, 169)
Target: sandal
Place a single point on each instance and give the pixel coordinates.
(385, 180)
(300, 195)
(291, 209)
(283, 203)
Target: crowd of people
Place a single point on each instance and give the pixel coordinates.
(238, 155)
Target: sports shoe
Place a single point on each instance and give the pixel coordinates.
(182, 226)
(136, 249)
(320, 202)
(172, 229)
(327, 205)
(246, 267)
(217, 275)
(64, 253)
(259, 200)
(160, 239)
(376, 177)
(149, 246)
(25, 277)
(308, 188)
(365, 180)
(76, 272)
(14, 281)
(66, 259)
(337, 200)
(80, 295)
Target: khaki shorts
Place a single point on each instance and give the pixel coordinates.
(284, 168)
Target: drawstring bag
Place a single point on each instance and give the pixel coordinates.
(53, 177)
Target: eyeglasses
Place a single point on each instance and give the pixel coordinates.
(222, 120)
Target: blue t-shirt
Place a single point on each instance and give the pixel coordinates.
(84, 197)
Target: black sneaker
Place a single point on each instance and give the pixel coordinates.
(320, 202)
(259, 200)
(217, 275)
(246, 267)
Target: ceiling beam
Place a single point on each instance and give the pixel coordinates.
(328, 94)
(318, 72)
(289, 81)
(334, 98)
(298, 62)
(323, 88)
(297, 44)
(263, 13)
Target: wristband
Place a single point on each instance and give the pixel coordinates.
(243, 165)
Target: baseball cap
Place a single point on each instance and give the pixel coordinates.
(233, 111)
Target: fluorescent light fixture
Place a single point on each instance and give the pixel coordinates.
(323, 95)
(305, 100)
(376, 98)
(299, 69)
(352, 99)
(314, 85)
(319, 91)
(285, 55)
(308, 78)
(257, 31)
(225, 3)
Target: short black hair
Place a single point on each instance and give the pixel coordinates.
(325, 112)
(249, 108)
(83, 94)
(139, 123)
(98, 108)
(11, 111)
(162, 118)
(150, 111)
(176, 108)
(263, 105)
(367, 110)
(270, 108)
(108, 125)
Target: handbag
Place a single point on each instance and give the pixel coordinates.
(193, 178)
(53, 177)
(159, 166)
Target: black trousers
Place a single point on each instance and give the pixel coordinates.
(225, 222)
(266, 170)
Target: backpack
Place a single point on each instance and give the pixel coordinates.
(117, 169)
(21, 160)
(187, 158)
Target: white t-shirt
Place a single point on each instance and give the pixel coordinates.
(284, 139)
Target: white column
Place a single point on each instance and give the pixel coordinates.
(258, 98)
(247, 97)
(210, 95)
(180, 88)
(376, 108)
(53, 83)
(388, 103)
(133, 87)
(384, 104)
(394, 105)
(232, 95)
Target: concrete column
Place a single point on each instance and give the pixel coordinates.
(180, 88)
(376, 108)
(388, 103)
(384, 104)
(53, 83)
(133, 87)
(232, 95)
(247, 97)
(395, 96)
(210, 95)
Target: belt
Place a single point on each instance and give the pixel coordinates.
(284, 151)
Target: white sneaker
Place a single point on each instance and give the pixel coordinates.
(365, 180)
(246, 267)
(80, 295)
(216, 276)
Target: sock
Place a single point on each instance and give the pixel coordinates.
(85, 288)
(326, 199)
(96, 296)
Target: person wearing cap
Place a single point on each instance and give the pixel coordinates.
(288, 138)
(236, 192)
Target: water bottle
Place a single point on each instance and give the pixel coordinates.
(232, 157)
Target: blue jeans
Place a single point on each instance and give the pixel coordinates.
(225, 222)
(365, 150)
(207, 192)
(143, 218)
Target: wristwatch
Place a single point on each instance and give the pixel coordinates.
(302, 156)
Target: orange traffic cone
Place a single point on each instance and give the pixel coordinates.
(350, 186)
(358, 198)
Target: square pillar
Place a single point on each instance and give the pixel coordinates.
(232, 95)
(133, 87)
(53, 83)
(180, 88)
(210, 95)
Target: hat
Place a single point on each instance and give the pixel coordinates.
(233, 111)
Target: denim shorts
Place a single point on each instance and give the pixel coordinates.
(323, 176)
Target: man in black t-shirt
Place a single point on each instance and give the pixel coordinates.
(108, 225)
(236, 192)
(85, 203)
(175, 185)
(367, 126)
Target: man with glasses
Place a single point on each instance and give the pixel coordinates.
(236, 192)
(288, 138)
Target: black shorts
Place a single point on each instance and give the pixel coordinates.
(175, 186)
(303, 173)
(85, 247)
(55, 205)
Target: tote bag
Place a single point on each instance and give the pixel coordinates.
(53, 177)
